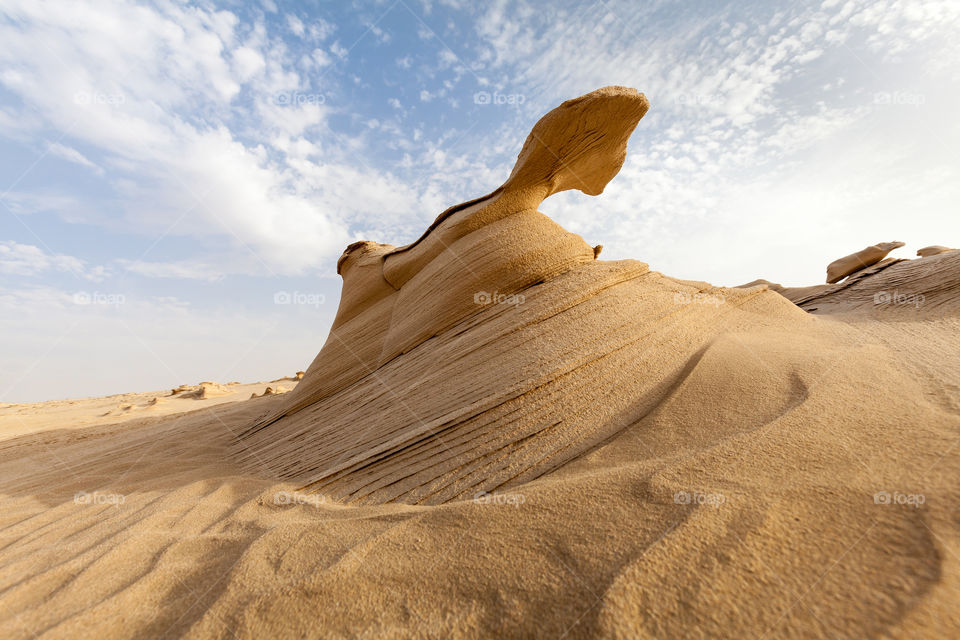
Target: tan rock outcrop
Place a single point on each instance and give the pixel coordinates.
(843, 267)
(933, 250)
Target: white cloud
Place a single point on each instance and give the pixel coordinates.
(734, 122)
(320, 29)
(184, 270)
(321, 58)
(29, 260)
(296, 25)
(381, 35)
(27, 203)
(447, 58)
(153, 90)
(72, 155)
(338, 50)
(247, 63)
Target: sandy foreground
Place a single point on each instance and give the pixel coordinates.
(809, 492)
(505, 436)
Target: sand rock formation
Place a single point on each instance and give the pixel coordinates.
(843, 267)
(579, 145)
(933, 250)
(473, 358)
(270, 391)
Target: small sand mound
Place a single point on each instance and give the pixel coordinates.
(202, 391)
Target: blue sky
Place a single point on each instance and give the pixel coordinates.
(170, 171)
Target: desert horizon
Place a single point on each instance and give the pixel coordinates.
(318, 327)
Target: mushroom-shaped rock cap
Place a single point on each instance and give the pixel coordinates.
(581, 144)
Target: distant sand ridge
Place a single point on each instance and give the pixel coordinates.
(871, 283)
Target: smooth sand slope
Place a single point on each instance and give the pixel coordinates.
(506, 437)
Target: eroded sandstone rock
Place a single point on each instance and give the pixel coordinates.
(843, 267)
(396, 298)
(933, 250)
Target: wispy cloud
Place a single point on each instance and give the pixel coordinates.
(72, 155)
(28, 260)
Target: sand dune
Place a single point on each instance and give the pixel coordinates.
(506, 437)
